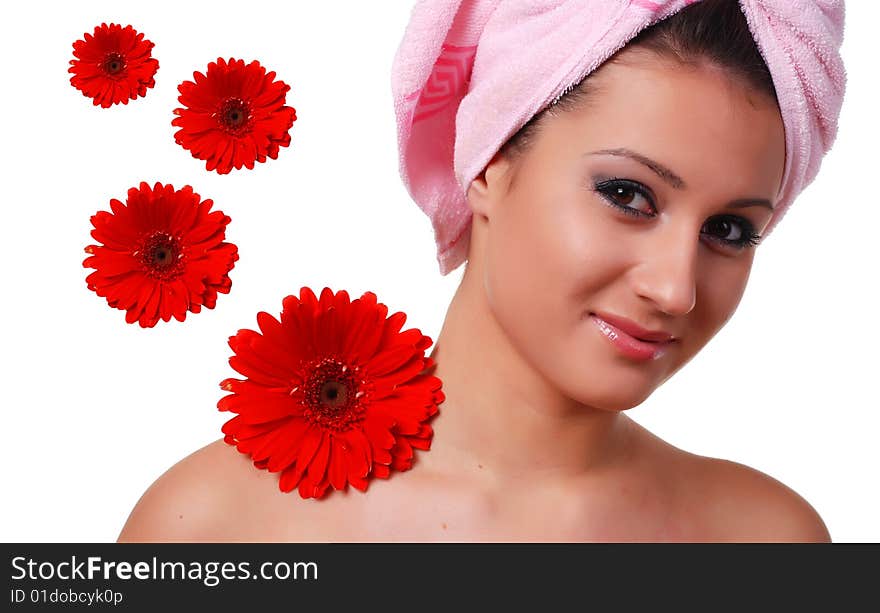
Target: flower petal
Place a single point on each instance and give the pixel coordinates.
(311, 442)
(294, 433)
(318, 466)
(338, 467)
(390, 360)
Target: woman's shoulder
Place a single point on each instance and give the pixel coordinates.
(721, 500)
(201, 498)
(740, 503)
(216, 494)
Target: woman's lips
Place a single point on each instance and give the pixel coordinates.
(629, 345)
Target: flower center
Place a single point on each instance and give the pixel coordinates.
(161, 254)
(332, 395)
(234, 116)
(113, 63)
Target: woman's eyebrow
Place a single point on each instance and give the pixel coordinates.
(673, 179)
(664, 173)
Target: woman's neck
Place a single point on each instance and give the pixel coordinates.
(501, 415)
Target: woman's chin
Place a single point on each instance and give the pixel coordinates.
(617, 387)
(611, 395)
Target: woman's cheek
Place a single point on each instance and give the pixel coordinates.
(720, 289)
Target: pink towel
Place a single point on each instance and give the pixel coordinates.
(469, 73)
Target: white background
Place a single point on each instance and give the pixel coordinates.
(94, 410)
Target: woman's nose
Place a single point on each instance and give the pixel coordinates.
(668, 270)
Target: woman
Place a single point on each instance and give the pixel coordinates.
(628, 208)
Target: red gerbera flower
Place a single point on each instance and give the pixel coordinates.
(234, 115)
(113, 65)
(335, 393)
(163, 254)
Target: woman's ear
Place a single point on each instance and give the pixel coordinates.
(488, 187)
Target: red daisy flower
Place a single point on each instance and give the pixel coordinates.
(335, 392)
(113, 65)
(234, 115)
(163, 254)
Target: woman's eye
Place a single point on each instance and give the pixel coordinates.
(625, 195)
(634, 199)
(733, 231)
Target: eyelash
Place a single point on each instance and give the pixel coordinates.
(749, 240)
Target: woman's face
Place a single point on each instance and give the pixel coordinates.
(555, 246)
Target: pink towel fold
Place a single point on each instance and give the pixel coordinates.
(469, 73)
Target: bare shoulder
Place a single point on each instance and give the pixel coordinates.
(194, 499)
(719, 500)
(740, 503)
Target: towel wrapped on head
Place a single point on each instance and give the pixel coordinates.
(469, 73)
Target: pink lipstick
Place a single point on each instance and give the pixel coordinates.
(628, 344)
